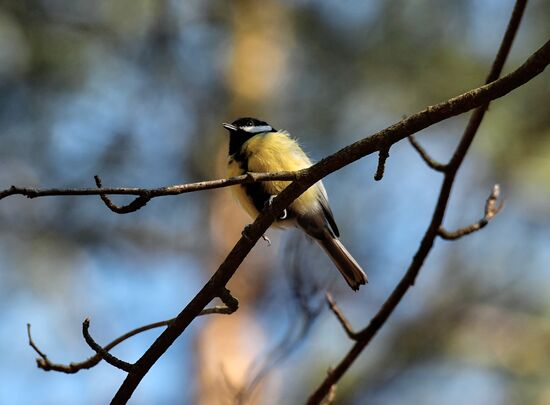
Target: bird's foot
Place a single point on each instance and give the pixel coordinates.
(264, 237)
(245, 233)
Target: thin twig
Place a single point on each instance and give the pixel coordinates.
(231, 304)
(135, 205)
(341, 317)
(229, 300)
(44, 363)
(154, 192)
(383, 155)
(491, 209)
(431, 162)
(490, 205)
(104, 354)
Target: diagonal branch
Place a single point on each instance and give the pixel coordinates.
(491, 210)
(433, 114)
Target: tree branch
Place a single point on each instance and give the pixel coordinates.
(150, 193)
(383, 155)
(101, 352)
(366, 335)
(341, 317)
(44, 363)
(491, 209)
(364, 147)
(135, 205)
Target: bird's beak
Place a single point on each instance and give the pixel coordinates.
(229, 127)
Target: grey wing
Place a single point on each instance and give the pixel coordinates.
(323, 200)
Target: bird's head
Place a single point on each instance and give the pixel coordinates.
(242, 129)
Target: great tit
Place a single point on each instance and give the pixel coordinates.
(255, 146)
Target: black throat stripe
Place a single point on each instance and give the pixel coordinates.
(257, 193)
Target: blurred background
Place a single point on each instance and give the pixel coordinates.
(135, 91)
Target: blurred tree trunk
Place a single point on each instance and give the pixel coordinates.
(227, 346)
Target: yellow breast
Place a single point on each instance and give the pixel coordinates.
(274, 152)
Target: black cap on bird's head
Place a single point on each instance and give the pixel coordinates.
(243, 129)
(249, 125)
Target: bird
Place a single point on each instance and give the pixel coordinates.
(256, 146)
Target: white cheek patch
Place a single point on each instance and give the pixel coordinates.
(256, 129)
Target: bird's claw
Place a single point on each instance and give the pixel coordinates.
(246, 231)
(284, 214)
(264, 237)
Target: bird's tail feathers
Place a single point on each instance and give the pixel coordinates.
(344, 261)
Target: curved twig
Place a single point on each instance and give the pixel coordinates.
(44, 363)
(101, 352)
(491, 210)
(431, 162)
(135, 205)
